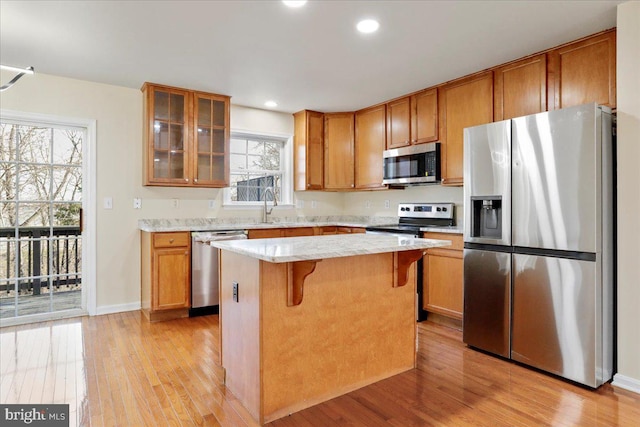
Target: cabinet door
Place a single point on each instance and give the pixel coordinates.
(584, 72)
(464, 103)
(308, 150)
(370, 141)
(167, 113)
(211, 140)
(424, 116)
(520, 88)
(442, 282)
(298, 231)
(338, 150)
(265, 233)
(399, 123)
(172, 280)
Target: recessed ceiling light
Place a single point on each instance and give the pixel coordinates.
(294, 3)
(271, 104)
(368, 26)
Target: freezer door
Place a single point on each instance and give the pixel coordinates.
(487, 300)
(557, 320)
(556, 179)
(487, 175)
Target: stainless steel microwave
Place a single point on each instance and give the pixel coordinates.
(416, 164)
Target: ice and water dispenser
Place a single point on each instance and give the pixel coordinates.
(486, 217)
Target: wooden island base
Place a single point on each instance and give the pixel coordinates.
(352, 328)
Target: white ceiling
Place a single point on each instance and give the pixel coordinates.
(303, 58)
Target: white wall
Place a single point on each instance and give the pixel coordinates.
(628, 106)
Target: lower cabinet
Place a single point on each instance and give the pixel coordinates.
(442, 277)
(166, 275)
(268, 233)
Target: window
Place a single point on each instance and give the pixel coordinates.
(258, 162)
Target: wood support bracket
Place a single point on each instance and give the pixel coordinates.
(296, 273)
(401, 263)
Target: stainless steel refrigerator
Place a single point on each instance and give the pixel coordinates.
(538, 232)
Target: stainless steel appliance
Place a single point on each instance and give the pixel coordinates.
(412, 217)
(538, 257)
(205, 265)
(415, 164)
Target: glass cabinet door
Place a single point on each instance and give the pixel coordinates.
(211, 143)
(169, 136)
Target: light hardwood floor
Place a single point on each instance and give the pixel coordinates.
(120, 370)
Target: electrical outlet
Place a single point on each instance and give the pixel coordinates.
(212, 204)
(175, 203)
(235, 291)
(387, 204)
(314, 204)
(367, 204)
(300, 204)
(108, 203)
(137, 203)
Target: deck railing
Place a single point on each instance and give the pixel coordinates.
(45, 256)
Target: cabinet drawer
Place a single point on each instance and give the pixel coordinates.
(170, 240)
(456, 239)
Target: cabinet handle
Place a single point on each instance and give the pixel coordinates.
(171, 240)
(195, 180)
(186, 253)
(186, 180)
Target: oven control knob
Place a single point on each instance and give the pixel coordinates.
(438, 209)
(444, 209)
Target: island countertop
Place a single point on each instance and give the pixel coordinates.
(291, 249)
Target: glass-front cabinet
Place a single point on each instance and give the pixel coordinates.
(187, 137)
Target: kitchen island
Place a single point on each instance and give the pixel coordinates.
(306, 319)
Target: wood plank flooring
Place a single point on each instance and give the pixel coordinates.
(120, 370)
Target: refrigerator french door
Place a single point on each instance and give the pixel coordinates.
(561, 240)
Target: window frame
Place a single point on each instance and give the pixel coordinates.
(286, 167)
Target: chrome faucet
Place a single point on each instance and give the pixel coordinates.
(265, 212)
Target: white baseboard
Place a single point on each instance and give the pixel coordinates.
(626, 383)
(117, 308)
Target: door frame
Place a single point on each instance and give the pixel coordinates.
(89, 185)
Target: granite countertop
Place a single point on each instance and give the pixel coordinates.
(216, 224)
(219, 224)
(292, 249)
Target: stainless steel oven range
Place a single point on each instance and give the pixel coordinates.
(412, 218)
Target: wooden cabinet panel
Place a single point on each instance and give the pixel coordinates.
(338, 151)
(399, 123)
(442, 276)
(424, 116)
(443, 284)
(308, 150)
(172, 282)
(583, 72)
(370, 142)
(329, 230)
(264, 233)
(520, 88)
(186, 137)
(165, 291)
(463, 103)
(299, 231)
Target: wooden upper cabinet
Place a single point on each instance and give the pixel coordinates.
(186, 136)
(370, 142)
(583, 72)
(211, 122)
(308, 150)
(399, 123)
(520, 88)
(338, 151)
(424, 116)
(462, 103)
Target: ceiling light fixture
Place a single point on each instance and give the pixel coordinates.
(368, 26)
(294, 3)
(21, 72)
(271, 104)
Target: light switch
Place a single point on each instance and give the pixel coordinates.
(137, 203)
(108, 203)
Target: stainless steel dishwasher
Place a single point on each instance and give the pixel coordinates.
(205, 267)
